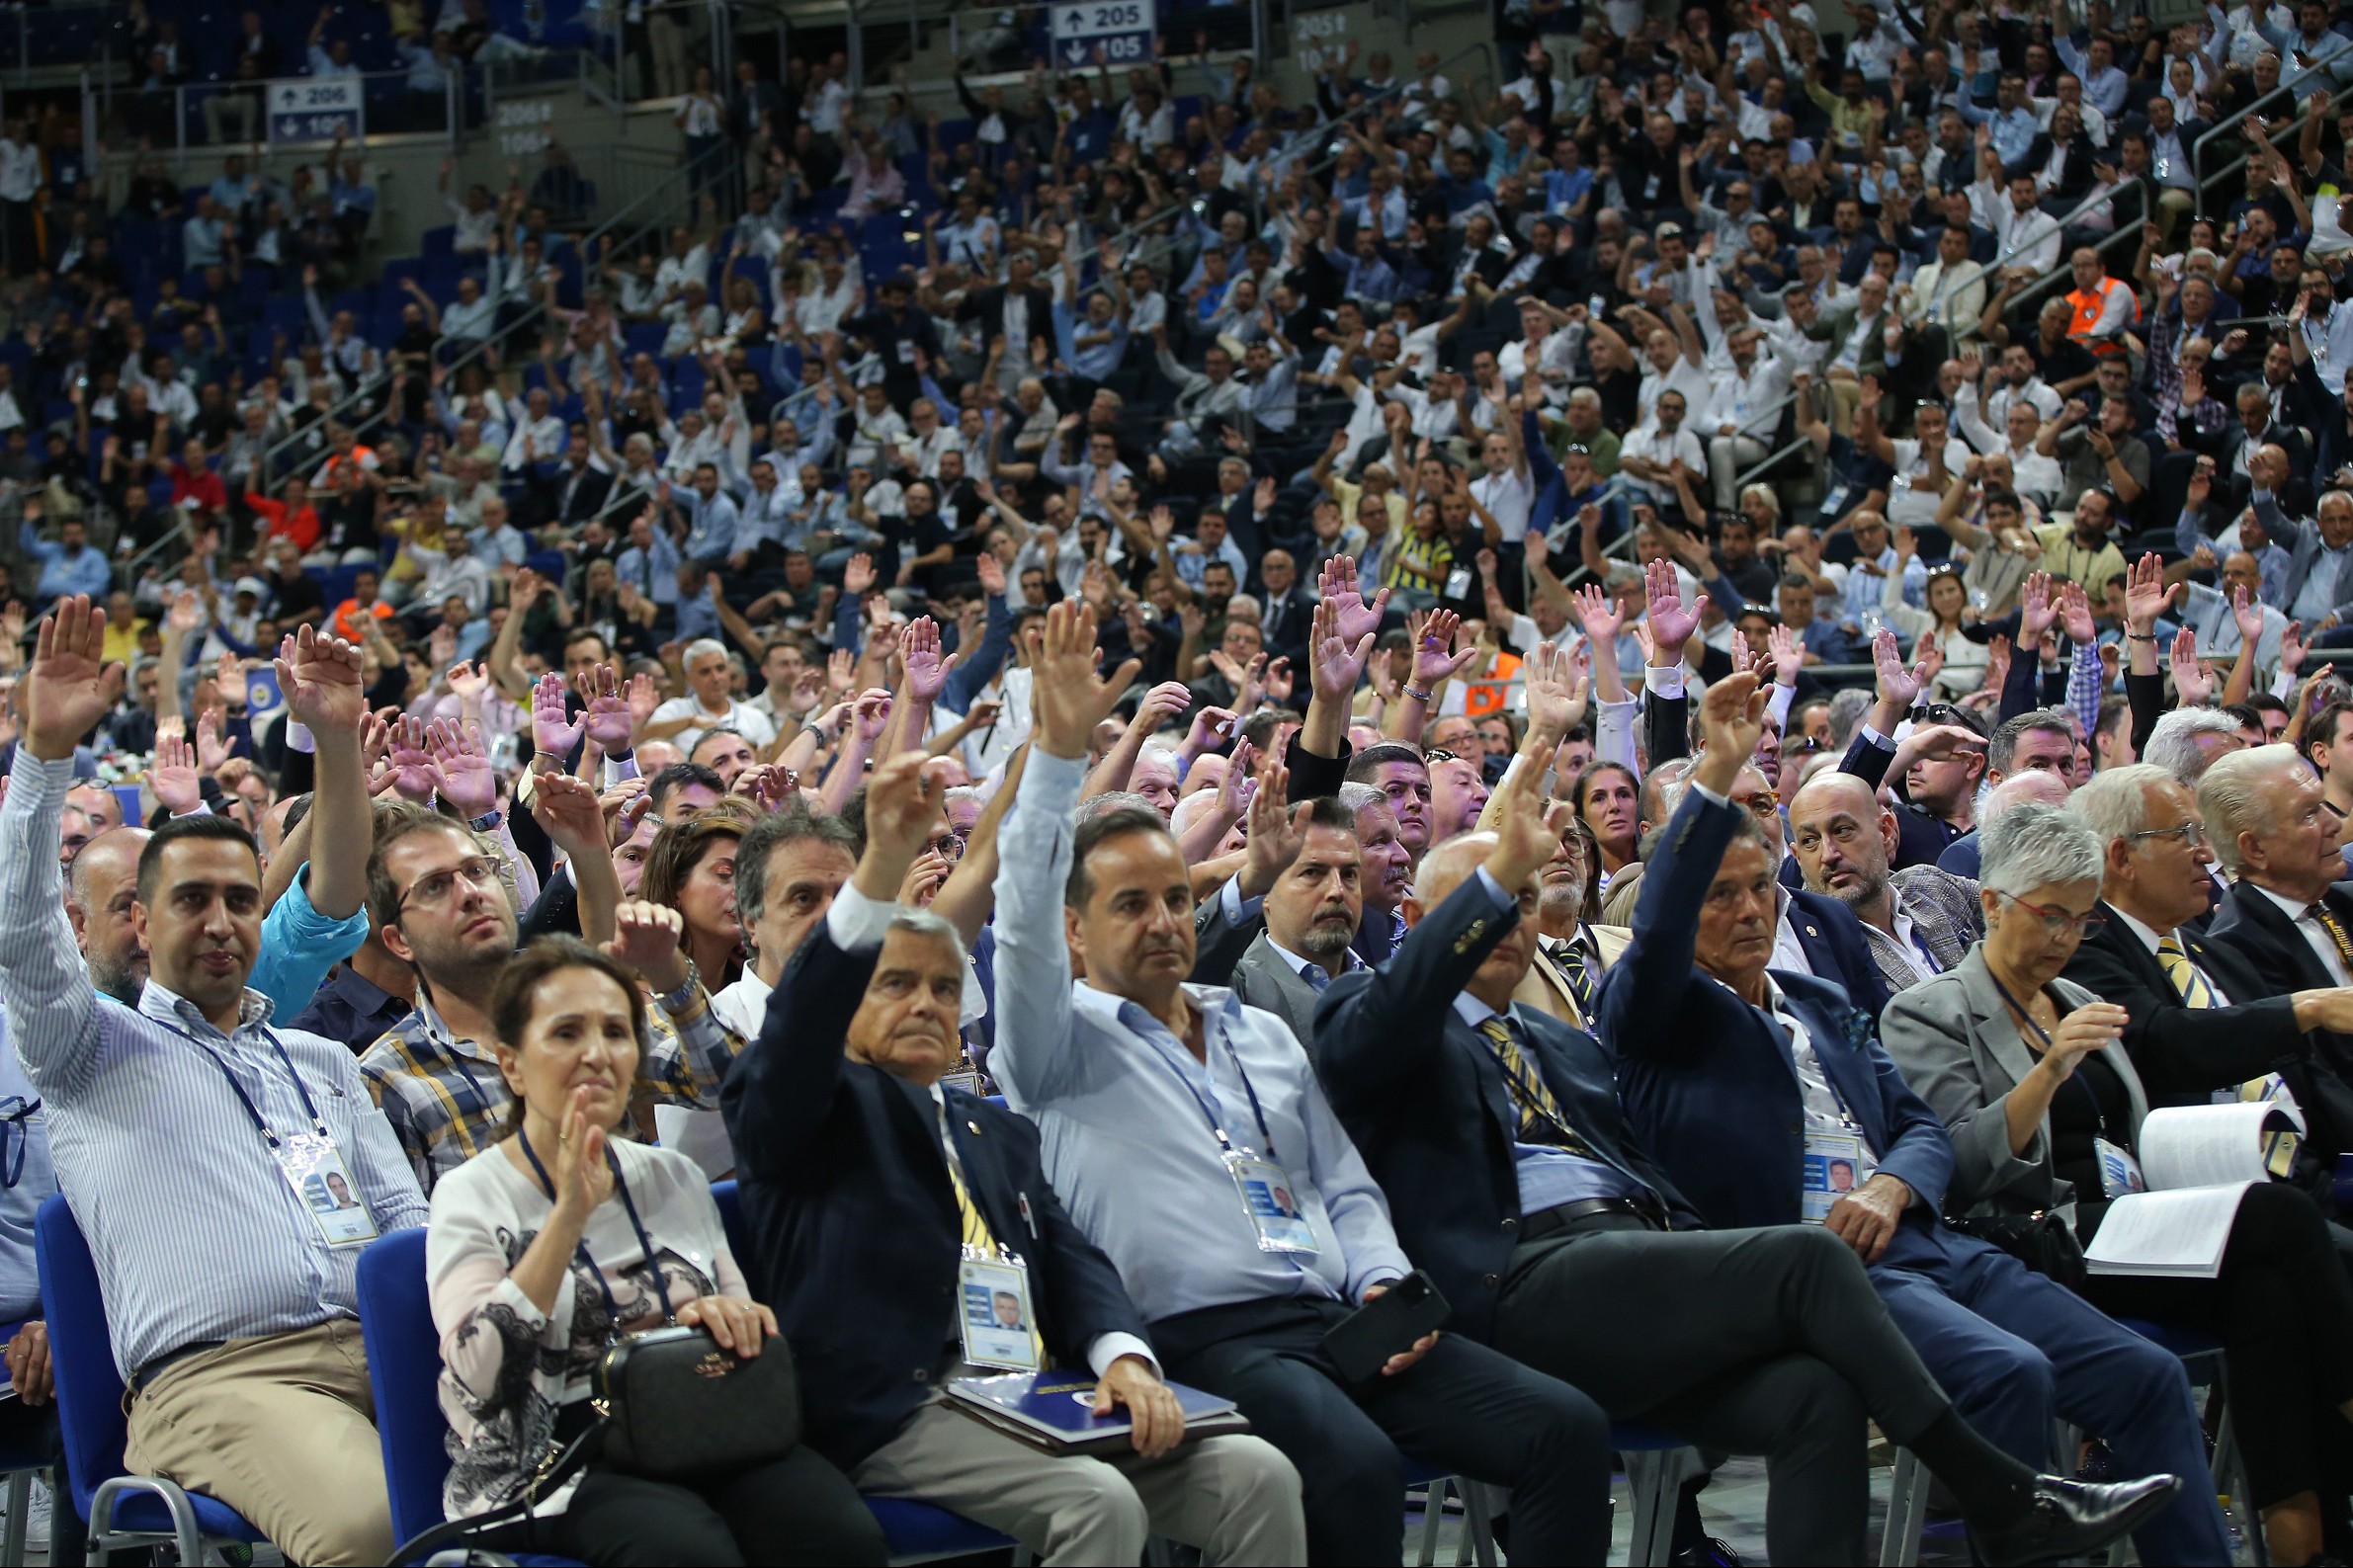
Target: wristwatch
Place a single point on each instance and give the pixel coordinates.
(675, 1000)
(488, 821)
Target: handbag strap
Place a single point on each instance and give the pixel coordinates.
(559, 1468)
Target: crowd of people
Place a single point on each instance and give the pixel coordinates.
(1673, 697)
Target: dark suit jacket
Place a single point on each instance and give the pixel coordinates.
(1285, 618)
(854, 1227)
(588, 497)
(988, 308)
(2183, 1054)
(1265, 979)
(2260, 932)
(1711, 1085)
(1427, 1105)
(1218, 943)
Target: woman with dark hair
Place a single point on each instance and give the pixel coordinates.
(1607, 797)
(691, 867)
(546, 1246)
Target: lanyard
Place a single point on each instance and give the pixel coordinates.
(2099, 1113)
(318, 1123)
(1266, 1138)
(661, 1286)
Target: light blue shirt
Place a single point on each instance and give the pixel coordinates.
(1865, 593)
(20, 1199)
(1096, 360)
(197, 1235)
(2014, 131)
(299, 944)
(1126, 1114)
(82, 572)
(711, 525)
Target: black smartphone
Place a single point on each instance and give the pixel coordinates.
(1390, 1324)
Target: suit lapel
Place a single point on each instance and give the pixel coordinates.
(1848, 1070)
(1991, 1024)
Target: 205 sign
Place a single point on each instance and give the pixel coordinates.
(1120, 32)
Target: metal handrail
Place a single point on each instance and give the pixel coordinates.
(2229, 126)
(2337, 102)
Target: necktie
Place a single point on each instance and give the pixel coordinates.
(2187, 982)
(978, 1240)
(2279, 1149)
(2336, 932)
(1541, 1120)
(1571, 960)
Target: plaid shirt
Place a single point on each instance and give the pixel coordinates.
(447, 1101)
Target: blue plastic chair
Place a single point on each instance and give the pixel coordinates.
(19, 1465)
(404, 1368)
(124, 1512)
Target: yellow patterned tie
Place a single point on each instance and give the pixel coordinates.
(2187, 982)
(1541, 1120)
(981, 1242)
(2279, 1149)
(1571, 960)
(2336, 932)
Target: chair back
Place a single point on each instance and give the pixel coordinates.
(81, 1351)
(729, 1199)
(405, 1369)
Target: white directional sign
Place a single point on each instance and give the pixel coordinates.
(1120, 28)
(315, 108)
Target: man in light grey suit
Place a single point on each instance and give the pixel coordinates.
(1311, 915)
(1920, 922)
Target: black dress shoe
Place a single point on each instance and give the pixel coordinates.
(2073, 1518)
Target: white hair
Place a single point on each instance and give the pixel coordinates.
(923, 922)
(2173, 744)
(2231, 798)
(2115, 804)
(2033, 845)
(702, 648)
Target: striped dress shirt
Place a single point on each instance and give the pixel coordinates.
(196, 1232)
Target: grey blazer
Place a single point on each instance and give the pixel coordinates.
(1954, 1041)
(1263, 979)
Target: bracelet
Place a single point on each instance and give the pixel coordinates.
(2142, 636)
(676, 1000)
(1422, 697)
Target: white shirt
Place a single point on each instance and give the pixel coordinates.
(2314, 932)
(20, 170)
(1788, 952)
(2150, 938)
(1510, 497)
(747, 720)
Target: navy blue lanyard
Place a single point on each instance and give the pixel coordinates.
(661, 1286)
(317, 1121)
(1257, 1112)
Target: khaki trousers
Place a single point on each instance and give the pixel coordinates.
(1236, 1498)
(282, 1430)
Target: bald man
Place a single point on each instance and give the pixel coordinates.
(100, 804)
(2035, 784)
(1920, 922)
(98, 898)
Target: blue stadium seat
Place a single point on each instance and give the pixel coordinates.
(643, 337)
(123, 1511)
(441, 242)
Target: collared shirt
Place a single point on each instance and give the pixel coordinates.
(1126, 1115)
(1788, 952)
(353, 1009)
(26, 1190)
(2314, 932)
(1825, 1111)
(197, 1235)
(2150, 938)
(446, 1101)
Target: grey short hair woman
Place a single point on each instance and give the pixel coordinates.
(2029, 1074)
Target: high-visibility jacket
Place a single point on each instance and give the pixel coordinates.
(2089, 304)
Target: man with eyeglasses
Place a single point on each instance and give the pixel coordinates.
(2201, 1018)
(2273, 831)
(440, 905)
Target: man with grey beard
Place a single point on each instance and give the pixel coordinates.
(99, 893)
(1311, 916)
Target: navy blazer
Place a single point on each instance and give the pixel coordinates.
(853, 1220)
(1711, 1085)
(1426, 1105)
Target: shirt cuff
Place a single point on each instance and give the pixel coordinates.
(1881, 742)
(857, 923)
(1697, 788)
(1494, 890)
(1109, 1347)
(1663, 682)
(201, 810)
(619, 770)
(1236, 907)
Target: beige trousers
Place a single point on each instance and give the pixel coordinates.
(282, 1430)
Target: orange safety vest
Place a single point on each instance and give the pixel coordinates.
(1488, 693)
(2088, 306)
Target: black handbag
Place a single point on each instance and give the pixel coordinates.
(2044, 1240)
(677, 1407)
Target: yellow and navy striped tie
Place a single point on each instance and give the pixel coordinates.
(1541, 1120)
(2188, 983)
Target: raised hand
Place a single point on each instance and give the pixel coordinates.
(902, 805)
(462, 775)
(1279, 682)
(2074, 615)
(580, 1175)
(927, 670)
(1789, 654)
(2248, 612)
(643, 697)
(647, 938)
(1601, 618)
(2036, 612)
(1434, 658)
(2291, 647)
(1355, 616)
(211, 750)
(858, 576)
(66, 691)
(1671, 625)
(1335, 664)
(872, 714)
(1274, 829)
(606, 721)
(2191, 684)
(554, 730)
(568, 809)
(1528, 829)
(2146, 596)
(1559, 685)
(172, 775)
(1067, 697)
(1732, 718)
(1896, 685)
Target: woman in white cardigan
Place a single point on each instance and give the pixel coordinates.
(550, 1244)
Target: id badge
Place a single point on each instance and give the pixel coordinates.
(315, 1168)
(994, 1316)
(967, 1080)
(1274, 1212)
(1833, 1169)
(2120, 1173)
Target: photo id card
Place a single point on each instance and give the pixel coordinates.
(315, 1168)
(994, 1316)
(1833, 1168)
(1273, 1208)
(2120, 1173)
